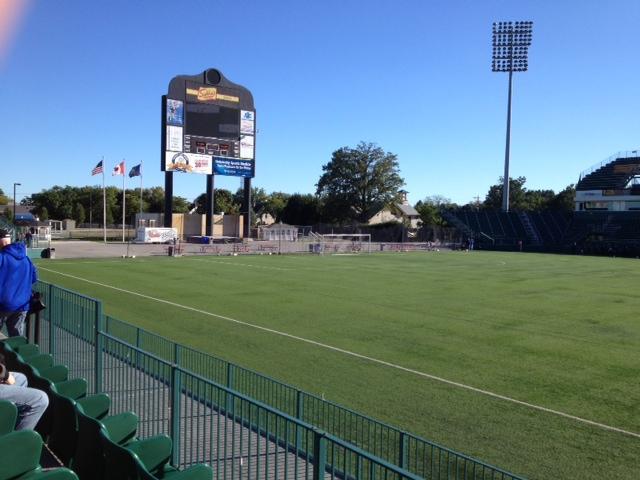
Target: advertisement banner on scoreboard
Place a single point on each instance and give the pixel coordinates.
(174, 138)
(246, 146)
(247, 122)
(233, 167)
(188, 163)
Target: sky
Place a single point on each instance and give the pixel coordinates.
(82, 80)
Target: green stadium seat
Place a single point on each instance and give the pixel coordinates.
(146, 459)
(88, 461)
(20, 456)
(55, 474)
(8, 417)
(19, 453)
(27, 350)
(12, 342)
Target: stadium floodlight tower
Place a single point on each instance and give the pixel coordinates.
(511, 42)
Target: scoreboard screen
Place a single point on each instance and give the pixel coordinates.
(205, 120)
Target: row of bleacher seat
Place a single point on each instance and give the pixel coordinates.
(507, 229)
(613, 175)
(88, 442)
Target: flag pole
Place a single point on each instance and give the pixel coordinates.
(141, 189)
(123, 199)
(104, 205)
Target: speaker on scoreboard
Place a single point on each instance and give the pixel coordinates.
(212, 76)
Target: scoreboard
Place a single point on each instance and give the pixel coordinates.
(208, 126)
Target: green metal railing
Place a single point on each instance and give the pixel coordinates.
(148, 373)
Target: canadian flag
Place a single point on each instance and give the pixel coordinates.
(118, 169)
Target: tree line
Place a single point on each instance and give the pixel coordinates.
(355, 184)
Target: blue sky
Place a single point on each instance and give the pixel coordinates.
(81, 80)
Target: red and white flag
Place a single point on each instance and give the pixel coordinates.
(118, 169)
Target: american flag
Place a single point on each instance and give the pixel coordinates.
(97, 169)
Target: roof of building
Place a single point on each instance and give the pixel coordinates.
(408, 210)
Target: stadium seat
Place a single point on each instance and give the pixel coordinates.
(88, 460)
(27, 350)
(146, 459)
(63, 437)
(12, 342)
(8, 417)
(20, 456)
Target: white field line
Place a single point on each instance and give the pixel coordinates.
(363, 357)
(222, 262)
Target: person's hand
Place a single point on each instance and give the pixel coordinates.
(11, 380)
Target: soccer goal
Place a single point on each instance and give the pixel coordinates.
(345, 243)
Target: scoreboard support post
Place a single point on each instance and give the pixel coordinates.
(209, 212)
(247, 208)
(168, 199)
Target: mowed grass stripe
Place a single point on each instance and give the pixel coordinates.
(555, 331)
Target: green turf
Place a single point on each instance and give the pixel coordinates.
(561, 332)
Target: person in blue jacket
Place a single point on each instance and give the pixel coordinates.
(17, 275)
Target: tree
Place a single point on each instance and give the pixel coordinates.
(429, 209)
(358, 180)
(4, 200)
(223, 201)
(493, 199)
(301, 210)
(537, 200)
(276, 203)
(44, 214)
(564, 200)
(154, 199)
(78, 213)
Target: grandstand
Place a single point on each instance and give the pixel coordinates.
(606, 219)
(495, 230)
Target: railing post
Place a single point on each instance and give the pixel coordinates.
(98, 347)
(403, 451)
(299, 414)
(176, 392)
(52, 316)
(319, 454)
(230, 381)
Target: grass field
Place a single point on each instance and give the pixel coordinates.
(559, 332)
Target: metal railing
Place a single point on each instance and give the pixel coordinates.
(615, 156)
(203, 402)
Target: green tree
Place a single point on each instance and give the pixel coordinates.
(8, 214)
(4, 200)
(180, 205)
(44, 214)
(301, 210)
(537, 200)
(154, 199)
(224, 202)
(564, 200)
(430, 208)
(275, 204)
(78, 213)
(358, 180)
(517, 201)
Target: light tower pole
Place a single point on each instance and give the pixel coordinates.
(511, 42)
(14, 200)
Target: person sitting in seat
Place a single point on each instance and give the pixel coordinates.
(30, 402)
